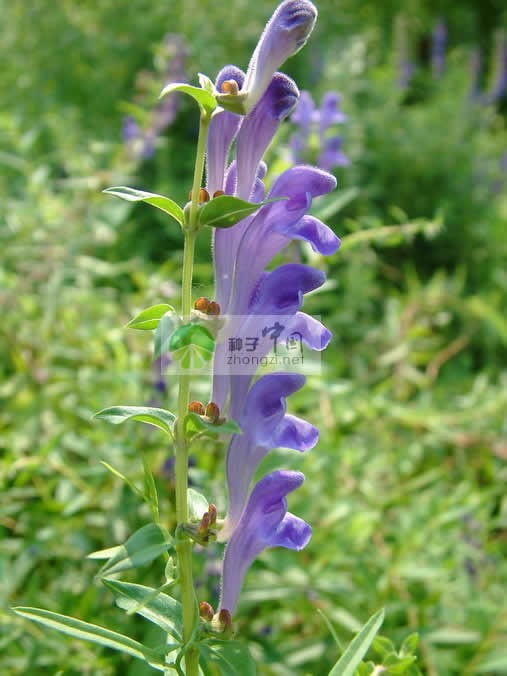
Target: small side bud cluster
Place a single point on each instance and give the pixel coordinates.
(212, 411)
(207, 306)
(205, 530)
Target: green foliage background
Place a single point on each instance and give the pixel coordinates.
(406, 489)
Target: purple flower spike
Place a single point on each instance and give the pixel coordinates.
(285, 34)
(264, 523)
(222, 130)
(259, 127)
(265, 426)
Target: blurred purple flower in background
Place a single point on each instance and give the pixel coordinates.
(170, 60)
(438, 48)
(475, 65)
(499, 82)
(310, 120)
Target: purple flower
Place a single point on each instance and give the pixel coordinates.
(285, 34)
(265, 425)
(499, 87)
(438, 46)
(265, 522)
(307, 118)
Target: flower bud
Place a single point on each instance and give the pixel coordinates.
(212, 511)
(196, 407)
(213, 308)
(202, 304)
(203, 195)
(204, 525)
(206, 611)
(212, 411)
(218, 193)
(285, 34)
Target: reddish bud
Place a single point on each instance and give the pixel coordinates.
(190, 195)
(213, 308)
(230, 87)
(196, 407)
(206, 611)
(202, 304)
(203, 195)
(224, 619)
(204, 525)
(218, 193)
(212, 511)
(212, 411)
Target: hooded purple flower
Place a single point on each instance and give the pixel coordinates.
(285, 34)
(265, 425)
(265, 522)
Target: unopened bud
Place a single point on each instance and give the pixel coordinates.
(213, 308)
(196, 407)
(212, 411)
(206, 611)
(203, 195)
(204, 525)
(202, 304)
(218, 193)
(212, 511)
(230, 87)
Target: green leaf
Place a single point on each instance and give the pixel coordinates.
(197, 505)
(194, 424)
(143, 546)
(159, 201)
(358, 647)
(121, 476)
(225, 211)
(160, 609)
(163, 333)
(206, 83)
(230, 657)
(204, 98)
(192, 345)
(150, 318)
(409, 645)
(93, 633)
(383, 646)
(158, 417)
(150, 488)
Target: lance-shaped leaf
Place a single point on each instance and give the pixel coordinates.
(93, 633)
(158, 608)
(144, 546)
(204, 98)
(159, 201)
(150, 318)
(225, 211)
(357, 649)
(196, 424)
(158, 417)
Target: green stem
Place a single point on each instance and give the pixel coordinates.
(184, 549)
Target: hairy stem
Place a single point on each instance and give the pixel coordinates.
(188, 598)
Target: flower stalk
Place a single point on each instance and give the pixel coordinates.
(184, 549)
